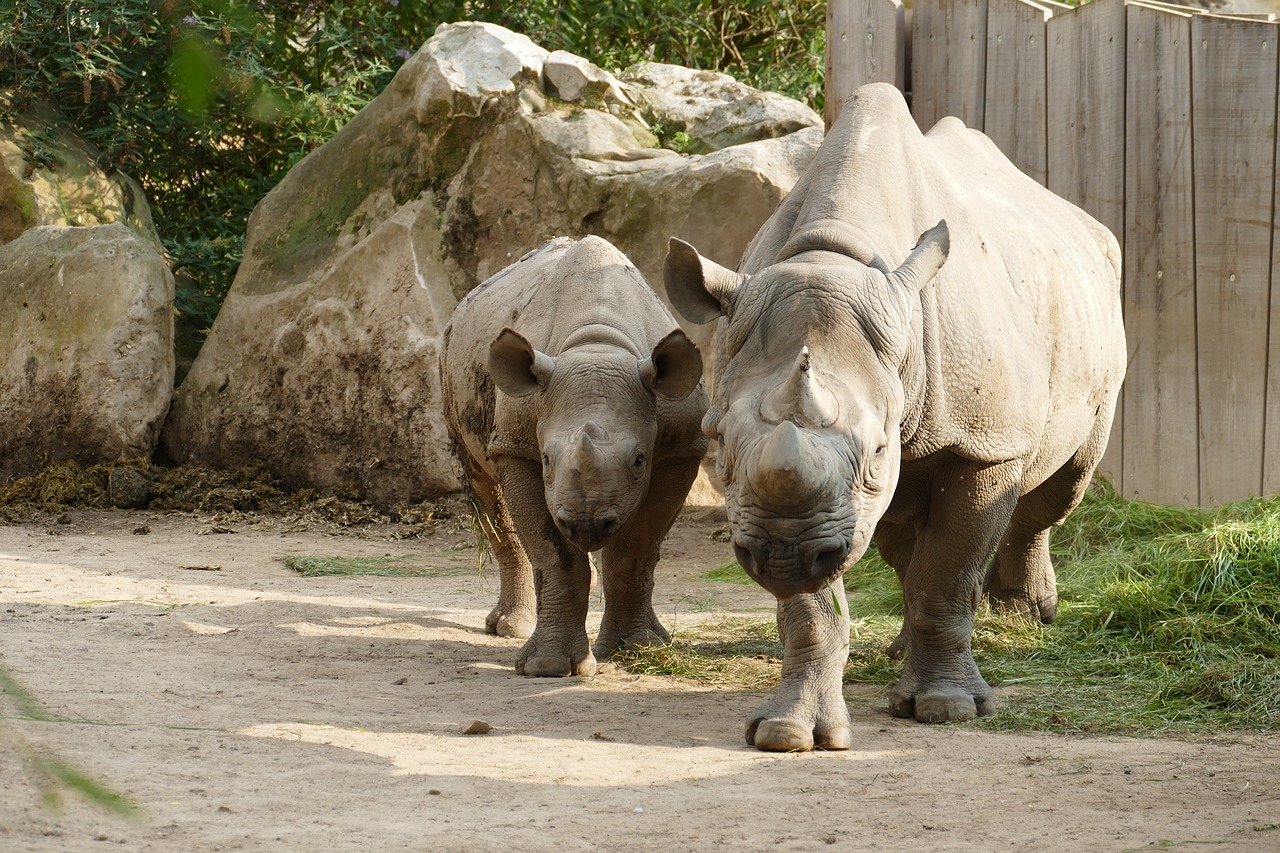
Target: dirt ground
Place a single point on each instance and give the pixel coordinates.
(250, 708)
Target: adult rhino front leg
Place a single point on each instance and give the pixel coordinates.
(561, 577)
(969, 511)
(629, 560)
(808, 710)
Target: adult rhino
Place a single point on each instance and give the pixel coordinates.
(573, 401)
(950, 394)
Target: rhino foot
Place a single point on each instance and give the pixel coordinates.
(804, 731)
(516, 622)
(1032, 607)
(642, 632)
(546, 658)
(942, 704)
(795, 720)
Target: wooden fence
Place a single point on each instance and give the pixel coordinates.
(1161, 122)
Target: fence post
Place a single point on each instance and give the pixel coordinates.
(1160, 435)
(1233, 77)
(1016, 83)
(1086, 134)
(865, 44)
(948, 61)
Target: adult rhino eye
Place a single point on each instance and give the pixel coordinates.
(881, 449)
(639, 463)
(546, 460)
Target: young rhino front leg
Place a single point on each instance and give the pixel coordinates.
(630, 559)
(809, 710)
(561, 577)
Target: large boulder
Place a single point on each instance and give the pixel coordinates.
(86, 346)
(49, 176)
(322, 362)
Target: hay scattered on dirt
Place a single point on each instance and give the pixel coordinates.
(239, 495)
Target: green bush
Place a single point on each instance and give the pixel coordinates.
(208, 103)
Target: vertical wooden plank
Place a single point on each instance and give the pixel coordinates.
(1160, 427)
(1016, 83)
(948, 61)
(864, 45)
(1233, 76)
(1271, 425)
(1086, 101)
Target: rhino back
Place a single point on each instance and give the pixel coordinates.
(1026, 309)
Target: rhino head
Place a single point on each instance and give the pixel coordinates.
(596, 411)
(809, 400)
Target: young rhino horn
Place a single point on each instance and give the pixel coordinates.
(801, 398)
(588, 455)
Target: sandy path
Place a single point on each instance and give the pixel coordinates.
(253, 709)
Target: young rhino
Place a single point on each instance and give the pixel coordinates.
(574, 403)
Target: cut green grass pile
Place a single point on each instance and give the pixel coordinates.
(396, 567)
(1169, 623)
(733, 652)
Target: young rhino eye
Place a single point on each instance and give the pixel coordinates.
(639, 463)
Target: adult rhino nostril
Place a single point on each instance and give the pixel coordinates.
(828, 561)
(752, 556)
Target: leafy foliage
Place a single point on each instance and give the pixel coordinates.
(208, 103)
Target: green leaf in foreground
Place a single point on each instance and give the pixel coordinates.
(54, 773)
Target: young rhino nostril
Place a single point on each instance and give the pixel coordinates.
(605, 527)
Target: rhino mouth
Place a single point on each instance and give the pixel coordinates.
(786, 570)
(587, 532)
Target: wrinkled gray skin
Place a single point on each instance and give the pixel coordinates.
(574, 403)
(949, 394)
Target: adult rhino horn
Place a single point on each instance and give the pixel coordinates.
(783, 473)
(801, 398)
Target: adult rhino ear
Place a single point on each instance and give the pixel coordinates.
(926, 258)
(516, 367)
(700, 289)
(674, 369)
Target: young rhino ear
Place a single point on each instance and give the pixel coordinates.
(700, 289)
(674, 369)
(516, 367)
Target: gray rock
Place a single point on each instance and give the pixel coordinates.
(86, 347)
(572, 78)
(715, 110)
(69, 189)
(321, 364)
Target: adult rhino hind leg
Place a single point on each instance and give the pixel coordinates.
(628, 562)
(561, 574)
(896, 542)
(1021, 576)
(940, 681)
(808, 711)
